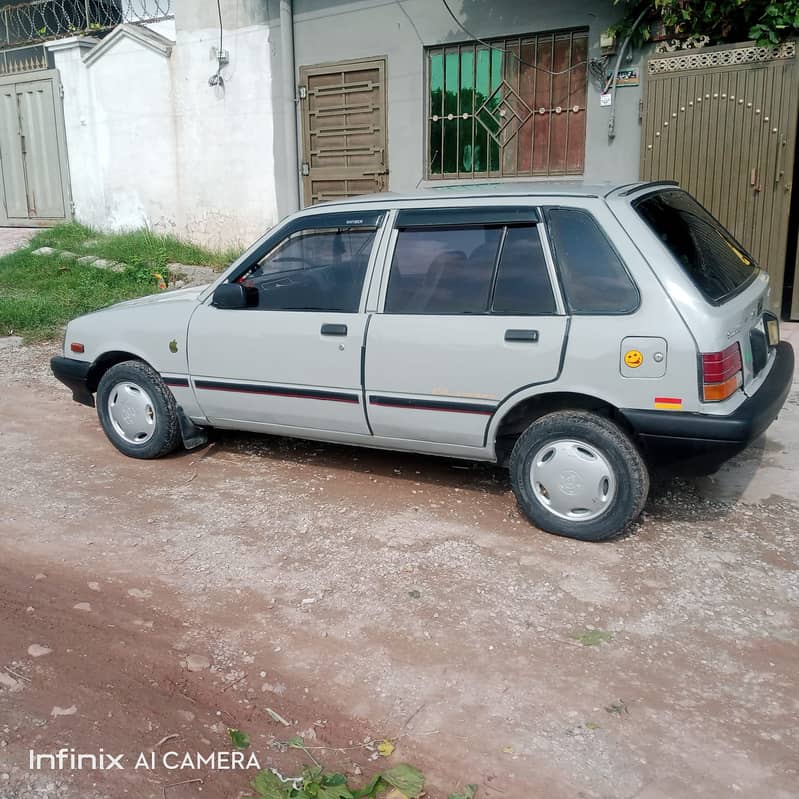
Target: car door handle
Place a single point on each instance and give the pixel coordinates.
(334, 330)
(521, 335)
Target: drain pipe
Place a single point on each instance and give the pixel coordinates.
(622, 50)
(287, 70)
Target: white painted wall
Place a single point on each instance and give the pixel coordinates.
(225, 150)
(152, 144)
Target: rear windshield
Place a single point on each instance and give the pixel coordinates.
(711, 257)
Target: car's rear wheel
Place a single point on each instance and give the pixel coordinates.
(137, 411)
(578, 474)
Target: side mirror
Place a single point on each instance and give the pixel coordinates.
(230, 296)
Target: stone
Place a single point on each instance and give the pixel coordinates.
(197, 663)
(87, 259)
(63, 711)
(85, 606)
(44, 251)
(37, 650)
(7, 681)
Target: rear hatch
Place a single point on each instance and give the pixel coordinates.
(738, 333)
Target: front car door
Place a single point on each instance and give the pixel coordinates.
(470, 314)
(291, 360)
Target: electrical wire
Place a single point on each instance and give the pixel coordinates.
(216, 79)
(597, 72)
(503, 50)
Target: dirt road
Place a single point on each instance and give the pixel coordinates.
(364, 595)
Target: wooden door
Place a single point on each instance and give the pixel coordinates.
(722, 122)
(343, 129)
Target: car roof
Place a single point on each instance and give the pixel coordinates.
(564, 188)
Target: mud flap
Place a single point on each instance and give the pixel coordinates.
(193, 436)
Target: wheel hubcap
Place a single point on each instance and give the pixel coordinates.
(573, 480)
(132, 413)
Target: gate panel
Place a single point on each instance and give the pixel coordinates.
(344, 130)
(40, 149)
(13, 170)
(722, 122)
(35, 180)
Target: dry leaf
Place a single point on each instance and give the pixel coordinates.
(385, 748)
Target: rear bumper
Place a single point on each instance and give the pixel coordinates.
(732, 432)
(74, 374)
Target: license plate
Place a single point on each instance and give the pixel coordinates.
(773, 332)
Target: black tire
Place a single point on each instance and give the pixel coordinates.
(165, 435)
(615, 446)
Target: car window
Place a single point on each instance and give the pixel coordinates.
(523, 287)
(314, 269)
(593, 276)
(443, 270)
(715, 262)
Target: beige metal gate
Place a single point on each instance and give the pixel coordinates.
(34, 182)
(343, 129)
(722, 122)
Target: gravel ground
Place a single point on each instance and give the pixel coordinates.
(392, 595)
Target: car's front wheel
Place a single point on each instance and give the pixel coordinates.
(578, 474)
(137, 411)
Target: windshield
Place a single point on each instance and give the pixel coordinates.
(717, 264)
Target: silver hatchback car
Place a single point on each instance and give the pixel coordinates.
(567, 331)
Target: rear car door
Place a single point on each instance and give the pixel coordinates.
(469, 315)
(292, 359)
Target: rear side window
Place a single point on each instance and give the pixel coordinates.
(476, 269)
(523, 287)
(716, 263)
(442, 270)
(595, 281)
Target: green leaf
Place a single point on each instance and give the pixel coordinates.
(238, 738)
(296, 742)
(337, 791)
(267, 785)
(334, 779)
(311, 775)
(406, 779)
(370, 789)
(468, 793)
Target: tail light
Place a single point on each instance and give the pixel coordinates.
(722, 373)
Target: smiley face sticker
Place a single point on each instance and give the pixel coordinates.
(633, 358)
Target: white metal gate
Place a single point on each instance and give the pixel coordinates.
(34, 181)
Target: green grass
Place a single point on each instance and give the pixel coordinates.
(136, 248)
(592, 637)
(39, 294)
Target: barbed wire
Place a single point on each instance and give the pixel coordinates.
(38, 20)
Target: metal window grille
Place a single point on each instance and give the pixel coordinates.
(39, 20)
(491, 113)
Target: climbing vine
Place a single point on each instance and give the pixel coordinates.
(768, 23)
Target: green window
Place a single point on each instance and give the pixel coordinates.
(499, 110)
